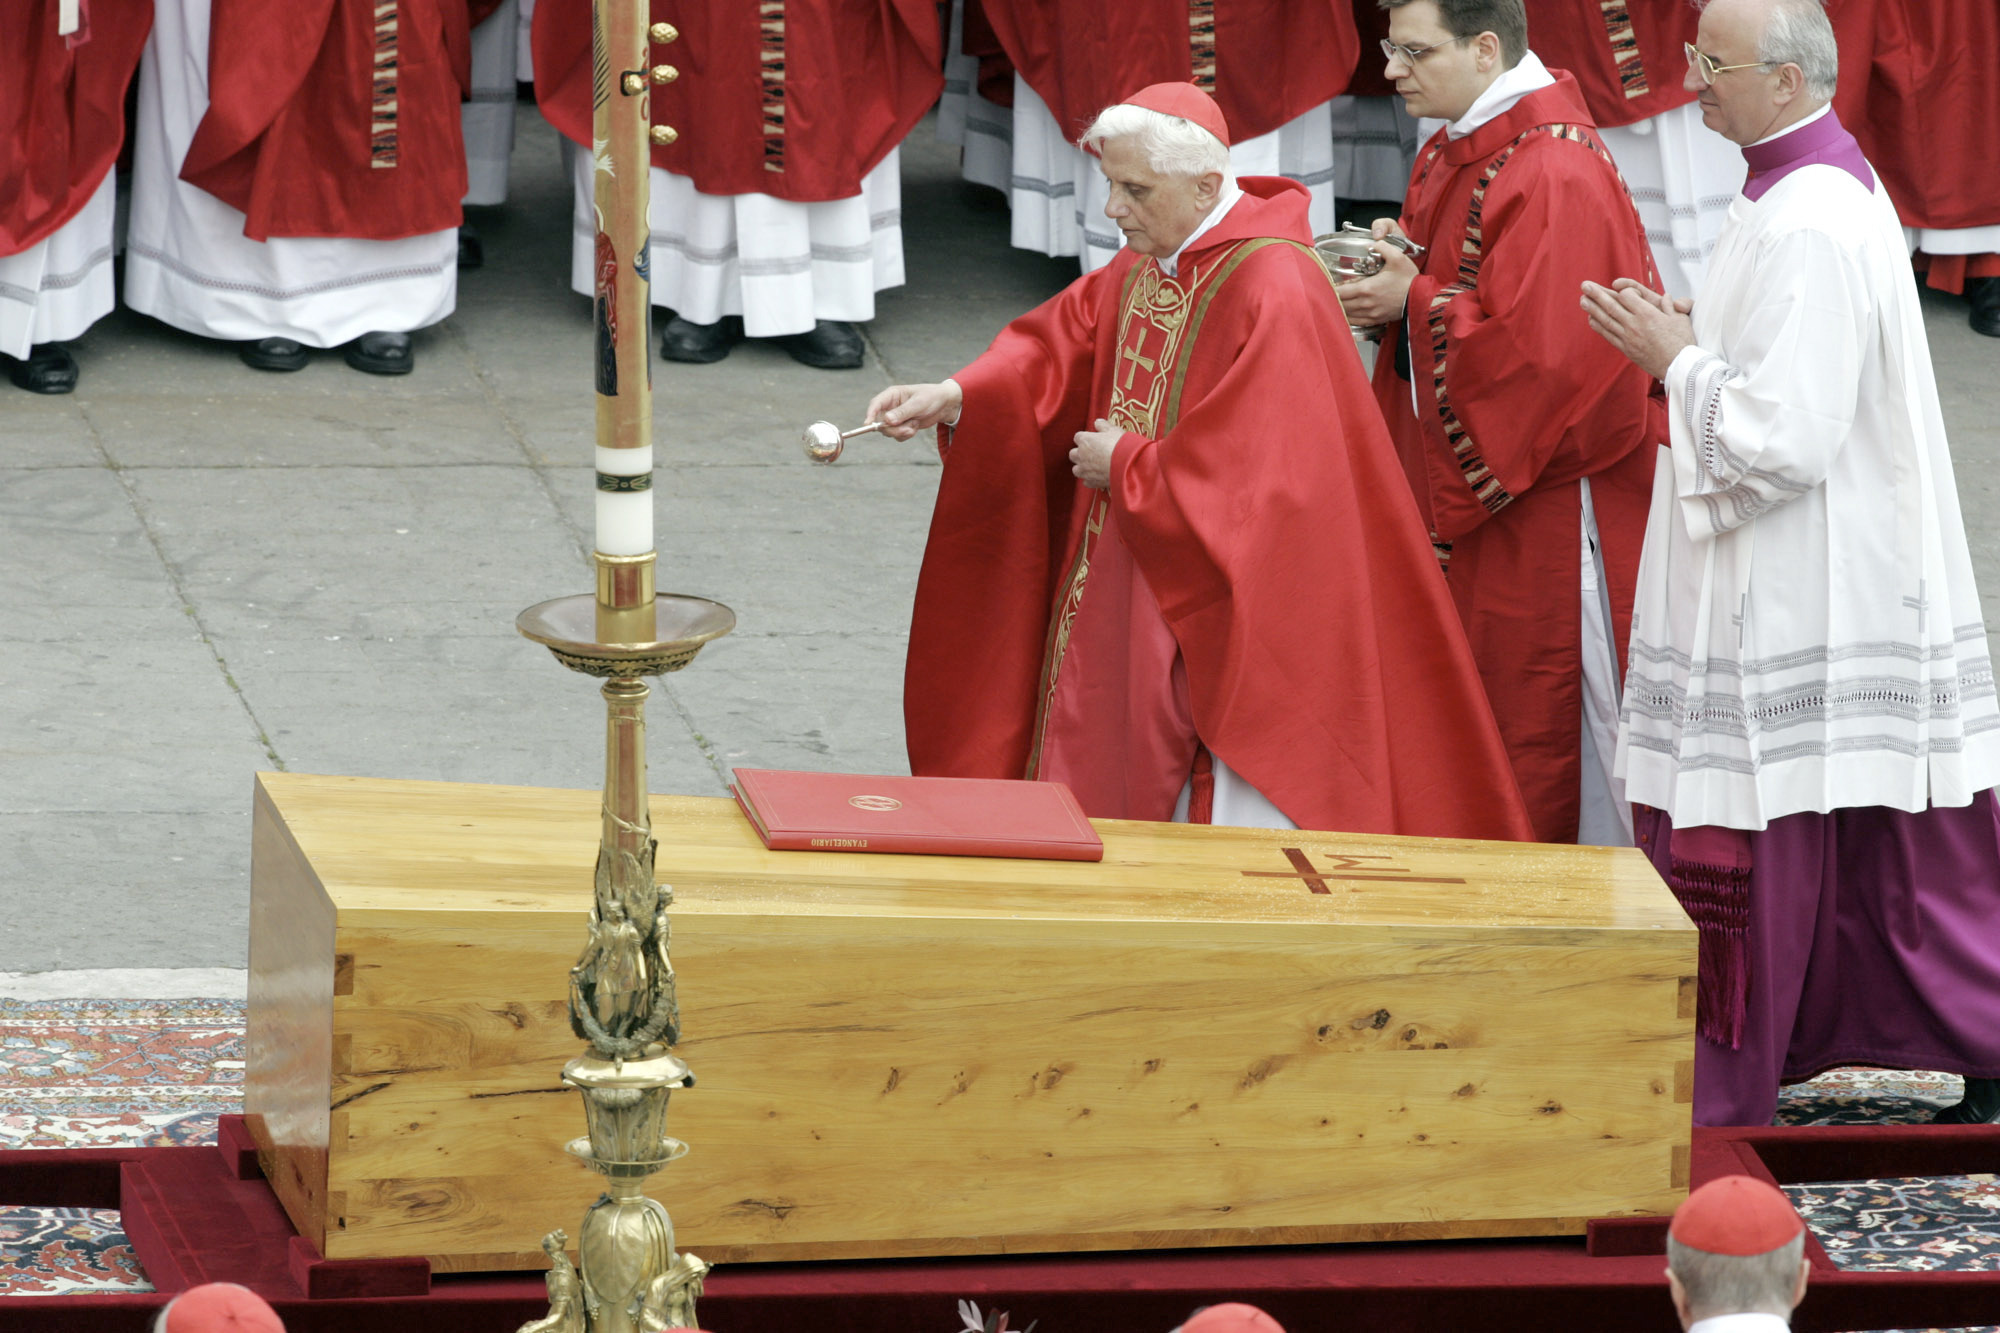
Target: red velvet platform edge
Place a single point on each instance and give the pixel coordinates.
(202, 1214)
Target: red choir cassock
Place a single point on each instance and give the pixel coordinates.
(1626, 55)
(1516, 400)
(335, 117)
(1920, 90)
(1264, 61)
(62, 109)
(797, 99)
(1254, 586)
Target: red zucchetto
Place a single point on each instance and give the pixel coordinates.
(1186, 101)
(1737, 1215)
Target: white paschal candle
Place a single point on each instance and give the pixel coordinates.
(625, 518)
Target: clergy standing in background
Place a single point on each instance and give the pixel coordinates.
(1274, 66)
(1920, 89)
(1627, 57)
(777, 212)
(297, 175)
(1172, 562)
(1529, 444)
(63, 73)
(1810, 721)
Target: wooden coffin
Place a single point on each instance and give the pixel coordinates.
(1214, 1037)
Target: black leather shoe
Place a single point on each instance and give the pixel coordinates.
(1986, 307)
(1980, 1107)
(274, 354)
(700, 344)
(381, 354)
(831, 345)
(48, 368)
(471, 252)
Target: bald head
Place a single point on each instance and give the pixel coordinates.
(1776, 63)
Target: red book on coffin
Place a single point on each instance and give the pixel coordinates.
(851, 812)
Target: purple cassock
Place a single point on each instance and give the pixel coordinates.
(1872, 938)
(1864, 936)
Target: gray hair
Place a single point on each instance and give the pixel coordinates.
(1798, 32)
(1172, 146)
(1718, 1284)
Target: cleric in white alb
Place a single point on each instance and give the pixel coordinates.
(1810, 728)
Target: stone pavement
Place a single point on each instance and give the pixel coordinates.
(206, 570)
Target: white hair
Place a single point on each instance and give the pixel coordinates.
(1798, 32)
(1172, 146)
(1719, 1284)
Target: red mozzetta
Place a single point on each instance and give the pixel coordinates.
(62, 110)
(1265, 61)
(329, 118)
(798, 99)
(1311, 643)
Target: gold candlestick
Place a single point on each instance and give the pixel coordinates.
(629, 1278)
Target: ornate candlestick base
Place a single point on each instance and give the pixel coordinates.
(622, 998)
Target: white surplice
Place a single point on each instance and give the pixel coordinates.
(58, 287)
(188, 263)
(487, 116)
(1807, 634)
(780, 265)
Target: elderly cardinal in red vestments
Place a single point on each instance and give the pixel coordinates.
(1173, 561)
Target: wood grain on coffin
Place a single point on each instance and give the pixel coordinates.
(289, 1046)
(910, 1055)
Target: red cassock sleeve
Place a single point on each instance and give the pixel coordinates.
(1528, 392)
(1324, 660)
(62, 111)
(799, 106)
(1626, 55)
(1266, 61)
(296, 122)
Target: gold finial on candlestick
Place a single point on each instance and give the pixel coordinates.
(622, 995)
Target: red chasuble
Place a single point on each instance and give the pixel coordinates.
(1920, 90)
(1520, 400)
(1626, 55)
(1265, 61)
(62, 110)
(1255, 581)
(335, 117)
(797, 99)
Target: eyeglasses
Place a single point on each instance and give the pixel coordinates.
(1704, 64)
(1410, 55)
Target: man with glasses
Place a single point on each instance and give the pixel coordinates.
(1529, 445)
(1810, 725)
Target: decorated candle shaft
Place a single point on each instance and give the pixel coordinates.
(621, 47)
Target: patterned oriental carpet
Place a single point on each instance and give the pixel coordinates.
(131, 1073)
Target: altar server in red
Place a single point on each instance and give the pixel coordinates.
(1810, 719)
(1529, 444)
(1172, 562)
(298, 174)
(64, 67)
(1274, 66)
(777, 211)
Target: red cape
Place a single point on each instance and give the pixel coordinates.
(1324, 661)
(1626, 55)
(857, 76)
(62, 111)
(291, 135)
(1273, 60)
(1920, 90)
(1521, 400)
